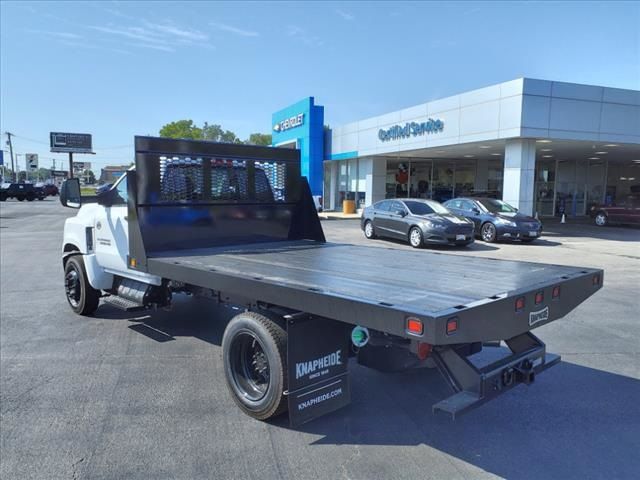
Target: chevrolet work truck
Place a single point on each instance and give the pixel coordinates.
(238, 224)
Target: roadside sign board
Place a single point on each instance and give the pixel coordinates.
(1, 157)
(32, 161)
(71, 142)
(59, 173)
(81, 166)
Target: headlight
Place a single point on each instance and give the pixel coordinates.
(504, 221)
(434, 225)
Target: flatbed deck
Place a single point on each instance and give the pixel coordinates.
(352, 283)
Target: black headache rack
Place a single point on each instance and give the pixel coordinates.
(240, 220)
(186, 195)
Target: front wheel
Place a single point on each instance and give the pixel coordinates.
(488, 232)
(82, 297)
(254, 350)
(415, 237)
(601, 219)
(369, 232)
(20, 198)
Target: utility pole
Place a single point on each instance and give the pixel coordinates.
(13, 169)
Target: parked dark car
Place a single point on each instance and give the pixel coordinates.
(417, 221)
(21, 192)
(496, 220)
(49, 189)
(627, 211)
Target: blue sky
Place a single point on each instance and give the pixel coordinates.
(119, 69)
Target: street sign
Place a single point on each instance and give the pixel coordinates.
(1, 157)
(59, 173)
(71, 142)
(81, 166)
(32, 161)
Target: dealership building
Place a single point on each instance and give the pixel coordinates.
(545, 147)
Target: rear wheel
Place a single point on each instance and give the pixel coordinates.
(415, 237)
(82, 297)
(20, 198)
(254, 350)
(601, 219)
(3, 197)
(369, 232)
(488, 232)
(30, 197)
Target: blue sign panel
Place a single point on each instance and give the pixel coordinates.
(1, 157)
(302, 124)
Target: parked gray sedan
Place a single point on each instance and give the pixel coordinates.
(417, 221)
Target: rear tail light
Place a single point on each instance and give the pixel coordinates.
(452, 325)
(556, 292)
(414, 326)
(539, 298)
(596, 279)
(520, 302)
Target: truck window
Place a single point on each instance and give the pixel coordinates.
(121, 188)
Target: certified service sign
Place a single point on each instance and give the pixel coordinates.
(288, 123)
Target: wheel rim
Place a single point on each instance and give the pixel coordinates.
(72, 287)
(415, 238)
(600, 219)
(487, 232)
(249, 366)
(368, 229)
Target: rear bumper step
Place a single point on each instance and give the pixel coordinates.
(475, 386)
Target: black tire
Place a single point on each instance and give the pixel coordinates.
(416, 239)
(369, 230)
(20, 198)
(488, 232)
(601, 219)
(254, 350)
(30, 197)
(41, 198)
(3, 197)
(82, 297)
(528, 240)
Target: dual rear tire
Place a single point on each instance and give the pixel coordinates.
(254, 350)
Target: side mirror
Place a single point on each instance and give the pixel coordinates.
(70, 193)
(475, 210)
(400, 212)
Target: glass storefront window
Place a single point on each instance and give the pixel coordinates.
(442, 189)
(465, 175)
(544, 187)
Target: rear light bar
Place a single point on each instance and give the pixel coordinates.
(539, 298)
(556, 292)
(520, 303)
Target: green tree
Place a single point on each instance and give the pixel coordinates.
(89, 176)
(259, 139)
(182, 129)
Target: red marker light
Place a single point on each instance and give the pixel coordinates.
(520, 304)
(452, 325)
(596, 279)
(556, 292)
(414, 325)
(539, 298)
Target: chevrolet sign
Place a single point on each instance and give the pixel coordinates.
(288, 123)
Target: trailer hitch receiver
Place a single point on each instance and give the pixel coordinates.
(475, 386)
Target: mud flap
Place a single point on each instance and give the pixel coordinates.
(317, 359)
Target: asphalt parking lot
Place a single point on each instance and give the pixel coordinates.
(143, 395)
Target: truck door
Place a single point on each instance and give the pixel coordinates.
(111, 230)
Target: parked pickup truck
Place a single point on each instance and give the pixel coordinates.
(21, 192)
(238, 224)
